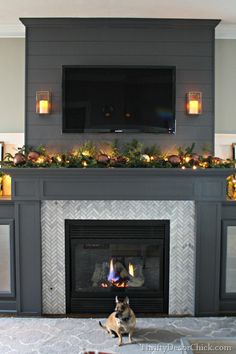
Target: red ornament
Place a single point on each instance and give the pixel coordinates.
(121, 160)
(19, 159)
(195, 157)
(117, 161)
(103, 158)
(174, 160)
(216, 160)
(33, 155)
(48, 159)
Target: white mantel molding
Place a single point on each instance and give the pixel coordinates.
(226, 31)
(12, 31)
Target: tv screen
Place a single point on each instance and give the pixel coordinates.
(118, 99)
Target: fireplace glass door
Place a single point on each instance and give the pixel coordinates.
(116, 258)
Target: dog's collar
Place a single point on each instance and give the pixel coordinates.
(126, 319)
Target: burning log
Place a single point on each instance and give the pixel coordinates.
(99, 274)
(117, 275)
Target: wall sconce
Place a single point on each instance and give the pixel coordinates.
(43, 102)
(194, 103)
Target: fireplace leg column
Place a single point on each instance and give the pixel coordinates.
(28, 257)
(208, 258)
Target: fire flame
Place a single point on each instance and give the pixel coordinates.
(104, 285)
(112, 274)
(131, 269)
(113, 279)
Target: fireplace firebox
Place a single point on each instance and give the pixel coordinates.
(105, 258)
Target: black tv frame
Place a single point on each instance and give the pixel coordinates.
(118, 131)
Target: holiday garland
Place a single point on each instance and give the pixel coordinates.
(130, 155)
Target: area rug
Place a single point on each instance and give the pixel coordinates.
(78, 336)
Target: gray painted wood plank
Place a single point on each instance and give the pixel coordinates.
(181, 62)
(167, 145)
(28, 225)
(208, 243)
(54, 76)
(7, 210)
(127, 48)
(58, 33)
(55, 88)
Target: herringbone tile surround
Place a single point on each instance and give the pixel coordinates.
(182, 244)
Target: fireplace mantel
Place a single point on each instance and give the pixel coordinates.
(119, 184)
(31, 187)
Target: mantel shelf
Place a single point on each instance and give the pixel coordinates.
(119, 184)
(145, 172)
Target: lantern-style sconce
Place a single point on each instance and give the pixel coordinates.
(194, 103)
(43, 102)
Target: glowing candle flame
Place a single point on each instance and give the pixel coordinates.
(40, 160)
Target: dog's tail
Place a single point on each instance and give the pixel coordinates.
(104, 327)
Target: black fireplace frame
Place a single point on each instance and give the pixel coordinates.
(149, 302)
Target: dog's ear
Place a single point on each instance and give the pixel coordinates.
(126, 300)
(117, 300)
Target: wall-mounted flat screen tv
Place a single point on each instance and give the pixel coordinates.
(118, 99)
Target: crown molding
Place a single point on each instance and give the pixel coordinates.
(12, 31)
(223, 31)
(226, 31)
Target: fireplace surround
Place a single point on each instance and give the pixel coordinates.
(191, 200)
(182, 245)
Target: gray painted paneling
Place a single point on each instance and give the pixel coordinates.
(229, 210)
(6, 210)
(28, 257)
(129, 48)
(53, 76)
(122, 33)
(207, 258)
(181, 62)
(7, 213)
(186, 44)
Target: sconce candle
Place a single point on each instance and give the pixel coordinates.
(43, 107)
(193, 107)
(43, 102)
(194, 103)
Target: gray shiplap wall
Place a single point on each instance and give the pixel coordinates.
(186, 44)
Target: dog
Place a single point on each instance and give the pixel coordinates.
(121, 321)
